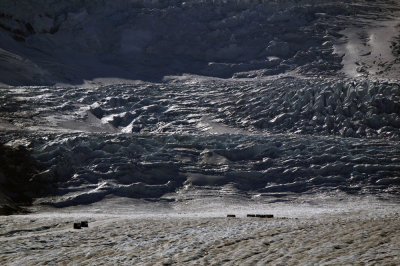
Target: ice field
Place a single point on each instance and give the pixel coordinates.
(153, 120)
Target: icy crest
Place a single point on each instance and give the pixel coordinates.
(349, 108)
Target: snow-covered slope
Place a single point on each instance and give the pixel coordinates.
(44, 42)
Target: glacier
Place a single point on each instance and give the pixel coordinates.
(151, 121)
(177, 100)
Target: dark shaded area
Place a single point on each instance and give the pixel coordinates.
(16, 187)
(73, 41)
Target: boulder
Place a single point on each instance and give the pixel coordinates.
(84, 224)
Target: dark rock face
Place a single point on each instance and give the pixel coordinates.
(150, 39)
(16, 170)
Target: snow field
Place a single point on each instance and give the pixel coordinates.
(340, 238)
